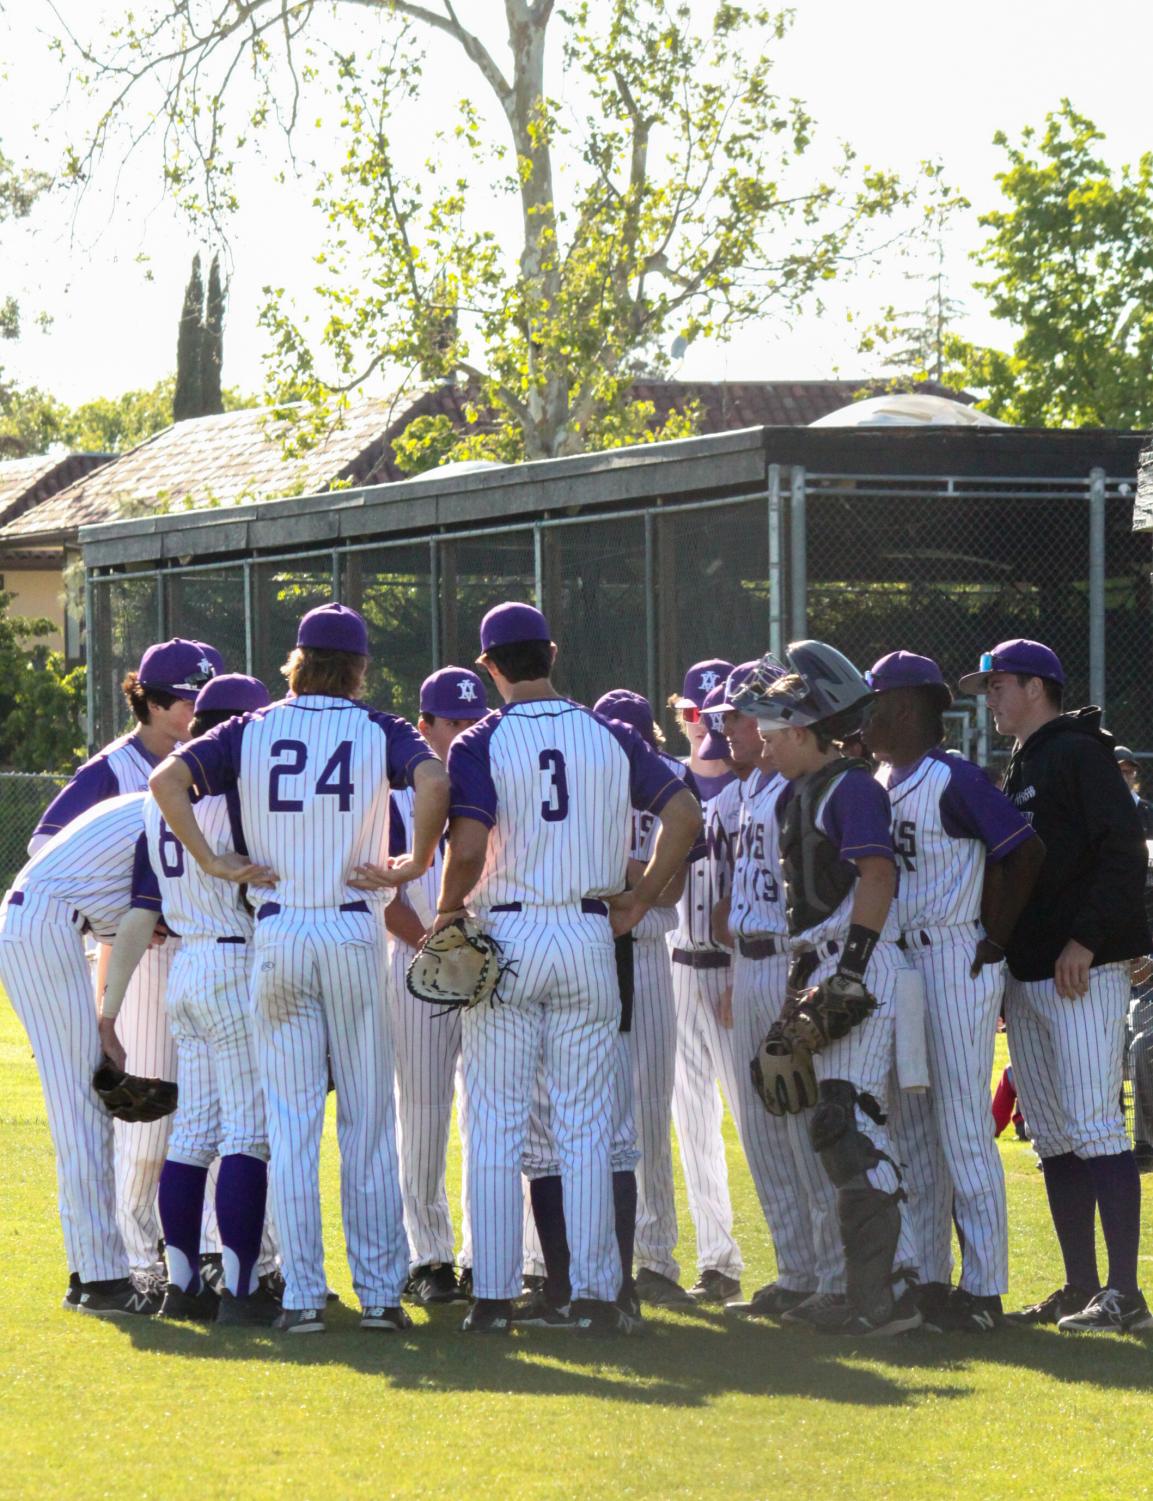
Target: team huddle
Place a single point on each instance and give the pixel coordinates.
(817, 918)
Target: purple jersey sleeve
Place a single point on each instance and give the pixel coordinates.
(858, 818)
(972, 808)
(93, 783)
(472, 791)
(145, 888)
(397, 834)
(407, 748)
(651, 783)
(214, 758)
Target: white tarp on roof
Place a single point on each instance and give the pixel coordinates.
(900, 409)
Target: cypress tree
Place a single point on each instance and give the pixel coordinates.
(188, 400)
(212, 344)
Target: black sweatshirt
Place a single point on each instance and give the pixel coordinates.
(1091, 886)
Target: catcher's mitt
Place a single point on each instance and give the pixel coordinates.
(827, 1012)
(458, 967)
(131, 1098)
(783, 1074)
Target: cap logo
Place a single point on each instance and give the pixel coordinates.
(717, 721)
(466, 691)
(710, 679)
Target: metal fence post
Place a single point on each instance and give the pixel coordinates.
(90, 655)
(1097, 587)
(798, 574)
(776, 577)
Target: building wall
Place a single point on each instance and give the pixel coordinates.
(37, 592)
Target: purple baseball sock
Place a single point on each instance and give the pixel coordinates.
(180, 1202)
(548, 1211)
(1118, 1187)
(1072, 1205)
(241, 1192)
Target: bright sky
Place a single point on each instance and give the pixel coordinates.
(900, 80)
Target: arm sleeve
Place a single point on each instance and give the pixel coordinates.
(407, 748)
(92, 784)
(858, 818)
(1113, 833)
(472, 792)
(972, 808)
(145, 887)
(214, 759)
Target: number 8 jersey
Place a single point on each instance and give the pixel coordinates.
(314, 774)
(555, 783)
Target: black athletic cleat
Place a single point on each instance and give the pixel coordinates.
(536, 1312)
(823, 1311)
(531, 1283)
(933, 1301)
(627, 1300)
(970, 1313)
(771, 1302)
(434, 1283)
(259, 1310)
(597, 1319)
(293, 1320)
(1065, 1302)
(212, 1271)
(273, 1283)
(200, 1307)
(390, 1320)
(904, 1316)
(713, 1286)
(120, 1298)
(1110, 1312)
(661, 1291)
(71, 1301)
(488, 1316)
(464, 1285)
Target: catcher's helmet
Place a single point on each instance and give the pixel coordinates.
(830, 685)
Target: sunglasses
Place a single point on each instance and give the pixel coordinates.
(691, 715)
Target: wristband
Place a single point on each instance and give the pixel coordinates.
(858, 951)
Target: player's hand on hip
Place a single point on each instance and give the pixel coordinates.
(110, 1043)
(986, 952)
(399, 871)
(1071, 973)
(625, 912)
(231, 866)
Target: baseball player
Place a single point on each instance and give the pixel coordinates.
(313, 774)
(1068, 988)
(840, 879)
(79, 881)
(967, 861)
(797, 1205)
(160, 696)
(221, 1112)
(652, 1033)
(541, 792)
(701, 969)
(1131, 771)
(427, 1045)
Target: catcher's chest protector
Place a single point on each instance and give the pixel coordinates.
(817, 881)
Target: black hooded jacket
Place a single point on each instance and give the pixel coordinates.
(1091, 887)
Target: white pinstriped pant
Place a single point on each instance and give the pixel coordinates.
(795, 1194)
(318, 991)
(143, 1029)
(1067, 1062)
(653, 1048)
(560, 1009)
(951, 1162)
(210, 1014)
(45, 972)
(427, 1057)
(704, 1056)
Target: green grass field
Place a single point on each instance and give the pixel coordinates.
(700, 1407)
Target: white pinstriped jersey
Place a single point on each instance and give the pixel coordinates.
(757, 906)
(657, 921)
(313, 774)
(122, 766)
(195, 905)
(704, 886)
(948, 820)
(421, 894)
(554, 783)
(88, 865)
(727, 816)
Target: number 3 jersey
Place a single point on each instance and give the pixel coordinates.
(313, 774)
(554, 783)
(948, 819)
(168, 880)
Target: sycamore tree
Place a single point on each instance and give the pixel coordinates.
(622, 174)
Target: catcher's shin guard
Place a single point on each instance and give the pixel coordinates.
(870, 1219)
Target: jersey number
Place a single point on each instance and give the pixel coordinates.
(905, 841)
(555, 804)
(334, 781)
(171, 852)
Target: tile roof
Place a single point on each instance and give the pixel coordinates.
(28, 481)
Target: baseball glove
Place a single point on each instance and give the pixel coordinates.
(827, 1012)
(131, 1098)
(458, 967)
(783, 1074)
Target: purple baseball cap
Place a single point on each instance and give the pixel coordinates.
(234, 692)
(1029, 657)
(700, 680)
(334, 628)
(453, 693)
(732, 685)
(629, 708)
(905, 669)
(506, 624)
(714, 747)
(178, 667)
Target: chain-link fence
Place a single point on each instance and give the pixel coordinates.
(23, 798)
